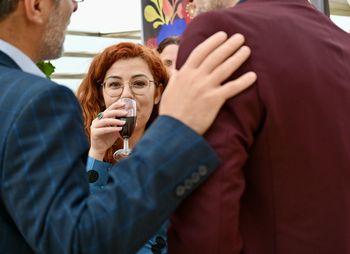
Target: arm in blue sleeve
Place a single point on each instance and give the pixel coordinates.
(97, 171)
(44, 187)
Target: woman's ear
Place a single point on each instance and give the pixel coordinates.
(158, 93)
(36, 10)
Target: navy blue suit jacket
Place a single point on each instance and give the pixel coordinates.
(45, 203)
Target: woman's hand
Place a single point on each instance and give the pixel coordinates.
(105, 130)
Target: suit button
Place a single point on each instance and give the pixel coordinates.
(203, 171)
(155, 250)
(188, 184)
(195, 177)
(160, 241)
(180, 190)
(158, 246)
(92, 176)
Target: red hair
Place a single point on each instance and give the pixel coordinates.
(90, 95)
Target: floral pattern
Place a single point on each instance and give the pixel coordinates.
(168, 18)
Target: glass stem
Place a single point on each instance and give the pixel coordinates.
(126, 144)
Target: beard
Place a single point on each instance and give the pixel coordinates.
(53, 37)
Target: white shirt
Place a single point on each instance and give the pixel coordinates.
(22, 60)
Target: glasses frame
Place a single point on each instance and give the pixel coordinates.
(129, 84)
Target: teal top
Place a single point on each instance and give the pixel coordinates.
(98, 174)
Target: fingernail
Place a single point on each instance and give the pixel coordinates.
(237, 36)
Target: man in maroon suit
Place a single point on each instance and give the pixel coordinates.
(284, 184)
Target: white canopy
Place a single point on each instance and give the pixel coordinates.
(98, 24)
(340, 7)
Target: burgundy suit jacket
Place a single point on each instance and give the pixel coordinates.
(284, 184)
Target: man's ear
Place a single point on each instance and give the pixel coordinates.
(35, 10)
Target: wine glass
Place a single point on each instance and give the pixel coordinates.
(128, 128)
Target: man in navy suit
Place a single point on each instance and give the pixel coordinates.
(45, 203)
(283, 186)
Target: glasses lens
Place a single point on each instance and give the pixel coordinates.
(114, 88)
(139, 85)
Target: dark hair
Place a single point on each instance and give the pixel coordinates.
(172, 40)
(6, 7)
(90, 93)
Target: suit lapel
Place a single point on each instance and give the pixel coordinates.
(6, 61)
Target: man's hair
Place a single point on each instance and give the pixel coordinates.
(6, 7)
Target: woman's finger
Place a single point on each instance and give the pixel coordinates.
(107, 130)
(98, 123)
(113, 113)
(119, 104)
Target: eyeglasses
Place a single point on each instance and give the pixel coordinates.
(114, 87)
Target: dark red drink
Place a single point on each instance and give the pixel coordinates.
(128, 127)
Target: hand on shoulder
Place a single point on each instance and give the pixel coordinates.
(194, 94)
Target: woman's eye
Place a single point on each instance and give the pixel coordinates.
(139, 84)
(168, 63)
(115, 85)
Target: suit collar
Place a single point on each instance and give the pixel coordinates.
(20, 58)
(7, 61)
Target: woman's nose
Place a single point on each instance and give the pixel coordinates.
(127, 92)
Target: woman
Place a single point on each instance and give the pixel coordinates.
(118, 73)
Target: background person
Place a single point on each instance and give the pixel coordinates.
(167, 50)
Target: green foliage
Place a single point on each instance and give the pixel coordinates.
(46, 67)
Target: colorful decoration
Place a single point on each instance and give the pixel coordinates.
(163, 18)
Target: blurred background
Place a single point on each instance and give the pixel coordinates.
(98, 24)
